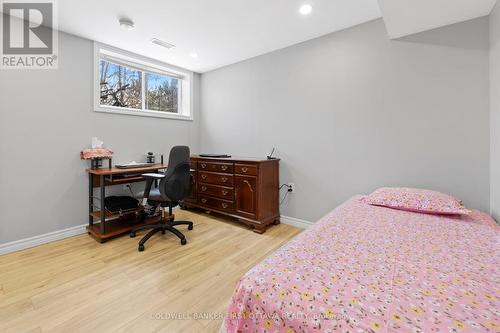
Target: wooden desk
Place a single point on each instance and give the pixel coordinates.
(111, 225)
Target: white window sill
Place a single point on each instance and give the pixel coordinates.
(143, 113)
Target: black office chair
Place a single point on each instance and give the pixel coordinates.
(174, 186)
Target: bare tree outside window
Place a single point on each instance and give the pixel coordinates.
(120, 86)
(131, 85)
(162, 93)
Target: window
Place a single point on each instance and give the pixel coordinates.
(133, 85)
(162, 93)
(120, 86)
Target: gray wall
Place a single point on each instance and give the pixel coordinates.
(495, 110)
(352, 111)
(348, 112)
(46, 118)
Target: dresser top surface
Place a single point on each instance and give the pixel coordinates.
(234, 159)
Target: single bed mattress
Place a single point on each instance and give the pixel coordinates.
(364, 268)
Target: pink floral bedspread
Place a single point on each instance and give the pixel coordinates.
(373, 269)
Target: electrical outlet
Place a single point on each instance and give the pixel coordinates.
(291, 187)
(128, 189)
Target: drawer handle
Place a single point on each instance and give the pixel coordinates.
(224, 192)
(203, 176)
(203, 200)
(224, 205)
(203, 188)
(203, 165)
(244, 170)
(224, 167)
(224, 179)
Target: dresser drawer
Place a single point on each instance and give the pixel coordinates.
(215, 167)
(245, 169)
(215, 203)
(216, 191)
(215, 178)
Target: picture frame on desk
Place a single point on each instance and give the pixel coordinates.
(96, 163)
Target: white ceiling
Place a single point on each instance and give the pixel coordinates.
(406, 17)
(221, 32)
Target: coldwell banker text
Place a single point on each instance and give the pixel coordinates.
(29, 35)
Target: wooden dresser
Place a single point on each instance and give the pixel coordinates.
(244, 188)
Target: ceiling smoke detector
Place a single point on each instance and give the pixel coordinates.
(162, 43)
(126, 24)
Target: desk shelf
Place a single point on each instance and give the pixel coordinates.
(109, 215)
(124, 180)
(118, 227)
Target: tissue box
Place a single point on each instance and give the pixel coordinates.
(94, 153)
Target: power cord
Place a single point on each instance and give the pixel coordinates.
(288, 186)
(289, 190)
(130, 189)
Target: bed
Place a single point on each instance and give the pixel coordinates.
(364, 268)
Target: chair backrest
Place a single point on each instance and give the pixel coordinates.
(177, 182)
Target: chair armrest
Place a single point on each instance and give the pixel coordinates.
(153, 175)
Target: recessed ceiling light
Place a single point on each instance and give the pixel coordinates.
(193, 55)
(162, 43)
(305, 9)
(126, 24)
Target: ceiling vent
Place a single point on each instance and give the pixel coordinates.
(162, 43)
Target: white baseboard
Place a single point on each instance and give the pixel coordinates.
(303, 224)
(45, 238)
(42, 239)
(80, 229)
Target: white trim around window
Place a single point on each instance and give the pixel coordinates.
(145, 65)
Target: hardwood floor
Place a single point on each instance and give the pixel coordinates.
(79, 285)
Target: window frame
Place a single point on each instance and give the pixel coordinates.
(144, 65)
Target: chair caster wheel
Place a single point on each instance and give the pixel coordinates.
(163, 232)
(183, 241)
(132, 234)
(190, 227)
(141, 248)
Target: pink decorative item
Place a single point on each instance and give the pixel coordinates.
(416, 200)
(365, 268)
(94, 153)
